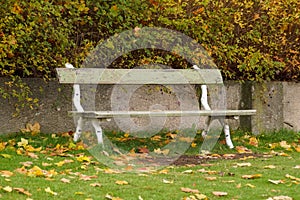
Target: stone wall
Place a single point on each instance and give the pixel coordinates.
(277, 105)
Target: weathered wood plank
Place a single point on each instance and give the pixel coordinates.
(139, 76)
(168, 113)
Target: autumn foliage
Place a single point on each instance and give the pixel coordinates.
(249, 40)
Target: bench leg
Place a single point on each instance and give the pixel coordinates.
(204, 103)
(227, 136)
(78, 129)
(98, 130)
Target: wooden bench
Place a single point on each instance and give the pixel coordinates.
(196, 76)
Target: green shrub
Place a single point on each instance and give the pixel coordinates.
(248, 40)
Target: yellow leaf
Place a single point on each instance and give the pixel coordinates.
(164, 152)
(167, 181)
(60, 163)
(23, 143)
(292, 177)
(35, 171)
(253, 141)
(250, 185)
(156, 138)
(297, 148)
(269, 167)
(4, 155)
(2, 145)
(121, 182)
(48, 190)
(253, 176)
(164, 171)
(83, 159)
(79, 193)
(243, 164)
(7, 189)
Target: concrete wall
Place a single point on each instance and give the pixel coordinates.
(277, 105)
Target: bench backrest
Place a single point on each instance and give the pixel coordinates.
(139, 76)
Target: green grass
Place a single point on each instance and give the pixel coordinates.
(227, 173)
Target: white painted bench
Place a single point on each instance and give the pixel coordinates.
(196, 76)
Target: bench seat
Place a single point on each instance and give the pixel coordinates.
(159, 113)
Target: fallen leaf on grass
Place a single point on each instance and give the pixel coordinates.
(253, 176)
(284, 145)
(218, 193)
(23, 191)
(189, 171)
(95, 184)
(163, 152)
(4, 155)
(243, 164)
(108, 196)
(6, 173)
(86, 177)
(64, 180)
(26, 164)
(276, 182)
(196, 197)
(211, 178)
(292, 177)
(167, 181)
(242, 149)
(2, 145)
(121, 182)
(48, 190)
(253, 141)
(189, 190)
(250, 185)
(7, 189)
(269, 167)
(280, 198)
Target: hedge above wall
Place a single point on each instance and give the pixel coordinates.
(248, 40)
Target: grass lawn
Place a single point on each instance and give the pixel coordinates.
(51, 166)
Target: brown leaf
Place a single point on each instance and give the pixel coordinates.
(189, 190)
(6, 173)
(211, 178)
(143, 150)
(242, 149)
(218, 193)
(64, 180)
(95, 184)
(23, 191)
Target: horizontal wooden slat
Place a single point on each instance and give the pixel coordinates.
(139, 76)
(168, 113)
